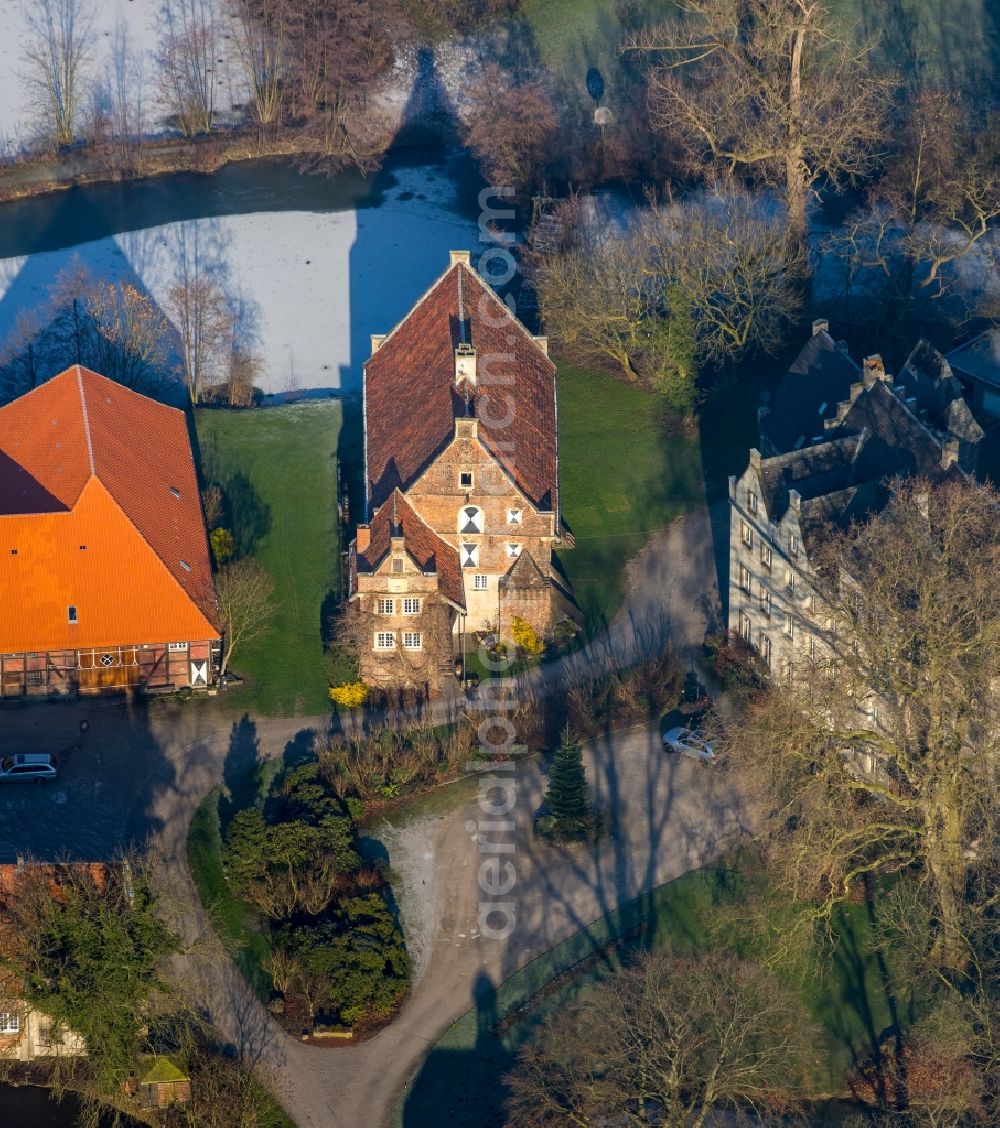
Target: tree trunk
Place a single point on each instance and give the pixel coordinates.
(795, 179)
(947, 867)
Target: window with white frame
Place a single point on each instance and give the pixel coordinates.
(751, 501)
(793, 544)
(470, 520)
(386, 606)
(470, 555)
(480, 583)
(766, 556)
(465, 479)
(513, 551)
(745, 578)
(790, 584)
(413, 640)
(385, 640)
(746, 534)
(10, 1022)
(764, 649)
(789, 626)
(765, 600)
(177, 646)
(746, 627)
(411, 606)
(513, 516)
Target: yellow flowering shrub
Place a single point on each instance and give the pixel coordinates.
(349, 696)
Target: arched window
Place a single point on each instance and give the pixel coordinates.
(470, 520)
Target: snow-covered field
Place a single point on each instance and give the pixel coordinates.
(315, 285)
(139, 18)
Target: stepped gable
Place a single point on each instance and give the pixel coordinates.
(818, 380)
(425, 548)
(411, 398)
(79, 429)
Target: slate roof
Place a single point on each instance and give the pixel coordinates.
(928, 379)
(425, 548)
(843, 478)
(979, 359)
(411, 401)
(819, 378)
(99, 509)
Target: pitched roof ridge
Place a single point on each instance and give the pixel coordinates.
(86, 417)
(139, 533)
(511, 315)
(413, 308)
(82, 368)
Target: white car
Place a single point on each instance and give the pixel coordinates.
(691, 742)
(28, 767)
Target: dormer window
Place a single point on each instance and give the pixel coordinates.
(71, 614)
(751, 501)
(465, 479)
(793, 545)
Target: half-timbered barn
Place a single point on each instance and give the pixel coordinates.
(105, 580)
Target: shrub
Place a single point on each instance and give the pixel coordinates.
(222, 544)
(350, 696)
(525, 636)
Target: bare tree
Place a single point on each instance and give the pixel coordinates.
(669, 1040)
(262, 30)
(769, 88)
(339, 52)
(508, 127)
(127, 101)
(112, 327)
(936, 203)
(189, 41)
(882, 755)
(58, 52)
(197, 305)
(706, 280)
(246, 604)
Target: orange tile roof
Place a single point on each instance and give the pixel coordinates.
(87, 462)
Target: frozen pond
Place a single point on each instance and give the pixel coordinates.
(317, 263)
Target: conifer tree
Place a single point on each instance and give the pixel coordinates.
(568, 797)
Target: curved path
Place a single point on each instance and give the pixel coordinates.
(149, 768)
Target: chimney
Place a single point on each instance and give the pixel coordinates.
(873, 369)
(465, 364)
(821, 325)
(363, 538)
(542, 343)
(377, 341)
(795, 501)
(949, 453)
(463, 257)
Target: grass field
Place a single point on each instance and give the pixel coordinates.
(621, 480)
(847, 996)
(288, 455)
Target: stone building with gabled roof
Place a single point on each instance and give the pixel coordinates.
(788, 500)
(105, 578)
(461, 444)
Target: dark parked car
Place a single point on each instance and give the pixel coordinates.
(28, 767)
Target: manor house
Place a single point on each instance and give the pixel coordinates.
(831, 441)
(462, 485)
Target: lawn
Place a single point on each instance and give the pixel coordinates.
(623, 476)
(847, 995)
(279, 466)
(232, 920)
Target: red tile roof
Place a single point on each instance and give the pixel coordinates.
(427, 550)
(87, 462)
(411, 401)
